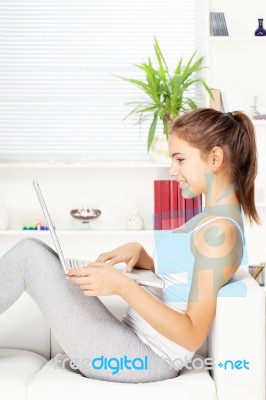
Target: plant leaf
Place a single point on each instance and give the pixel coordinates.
(187, 66)
(160, 59)
(165, 128)
(132, 111)
(152, 79)
(179, 67)
(208, 89)
(161, 54)
(176, 94)
(139, 83)
(145, 109)
(152, 130)
(191, 103)
(190, 69)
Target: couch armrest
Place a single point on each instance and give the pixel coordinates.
(238, 333)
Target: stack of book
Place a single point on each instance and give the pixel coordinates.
(218, 25)
(171, 209)
(219, 100)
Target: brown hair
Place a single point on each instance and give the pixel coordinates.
(234, 132)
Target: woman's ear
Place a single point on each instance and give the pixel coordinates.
(216, 158)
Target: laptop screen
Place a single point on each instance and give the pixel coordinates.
(49, 222)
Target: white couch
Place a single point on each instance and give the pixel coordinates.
(27, 349)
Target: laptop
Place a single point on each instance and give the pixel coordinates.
(141, 276)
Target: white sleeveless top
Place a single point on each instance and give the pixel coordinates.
(176, 270)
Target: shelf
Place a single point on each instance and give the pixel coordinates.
(76, 232)
(92, 164)
(237, 39)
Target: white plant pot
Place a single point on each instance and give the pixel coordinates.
(159, 149)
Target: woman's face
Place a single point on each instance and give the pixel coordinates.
(187, 167)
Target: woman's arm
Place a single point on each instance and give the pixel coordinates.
(168, 322)
(145, 261)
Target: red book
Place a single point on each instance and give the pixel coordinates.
(157, 221)
(173, 204)
(197, 204)
(165, 198)
(189, 213)
(181, 207)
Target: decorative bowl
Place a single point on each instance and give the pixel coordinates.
(85, 214)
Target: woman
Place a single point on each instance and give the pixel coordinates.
(212, 154)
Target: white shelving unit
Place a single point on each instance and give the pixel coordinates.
(236, 66)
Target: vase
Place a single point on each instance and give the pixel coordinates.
(135, 221)
(259, 107)
(260, 31)
(160, 150)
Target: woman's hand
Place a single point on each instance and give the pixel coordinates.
(128, 253)
(99, 279)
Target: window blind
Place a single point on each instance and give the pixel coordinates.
(59, 96)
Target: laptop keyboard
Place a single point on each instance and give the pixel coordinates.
(77, 263)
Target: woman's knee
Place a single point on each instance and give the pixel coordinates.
(34, 247)
(36, 243)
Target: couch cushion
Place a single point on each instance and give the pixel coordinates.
(53, 381)
(16, 369)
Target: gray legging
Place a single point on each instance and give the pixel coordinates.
(90, 335)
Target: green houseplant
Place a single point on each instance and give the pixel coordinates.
(167, 95)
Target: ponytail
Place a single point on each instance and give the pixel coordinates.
(244, 164)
